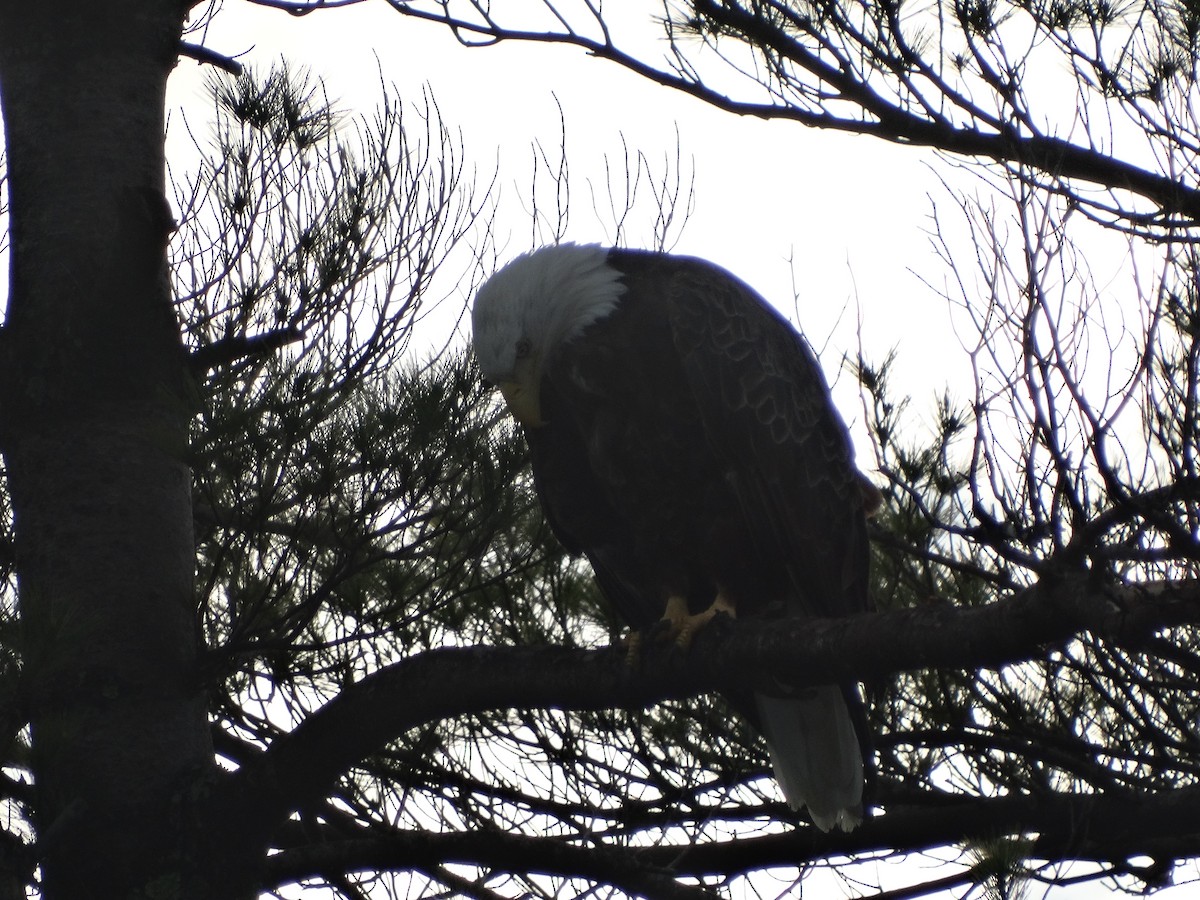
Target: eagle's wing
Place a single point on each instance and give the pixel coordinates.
(768, 414)
(767, 411)
(580, 513)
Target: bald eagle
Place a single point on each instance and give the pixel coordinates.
(683, 439)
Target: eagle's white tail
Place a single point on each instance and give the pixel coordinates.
(816, 756)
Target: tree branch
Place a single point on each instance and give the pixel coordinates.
(299, 768)
(626, 869)
(1100, 828)
(885, 118)
(890, 120)
(203, 54)
(231, 349)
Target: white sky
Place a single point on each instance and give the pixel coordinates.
(851, 212)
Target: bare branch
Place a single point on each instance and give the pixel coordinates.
(439, 684)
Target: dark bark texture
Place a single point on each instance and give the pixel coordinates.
(93, 428)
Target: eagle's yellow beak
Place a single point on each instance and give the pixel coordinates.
(523, 402)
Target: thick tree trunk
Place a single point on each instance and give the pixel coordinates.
(93, 426)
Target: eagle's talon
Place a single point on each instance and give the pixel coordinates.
(683, 626)
(633, 648)
(661, 631)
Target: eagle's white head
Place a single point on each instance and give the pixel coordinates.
(532, 306)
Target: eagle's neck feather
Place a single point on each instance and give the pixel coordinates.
(548, 297)
(569, 286)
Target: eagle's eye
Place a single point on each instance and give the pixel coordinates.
(524, 348)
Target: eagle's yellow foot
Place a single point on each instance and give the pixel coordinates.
(683, 626)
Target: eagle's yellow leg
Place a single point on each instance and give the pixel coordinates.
(633, 647)
(683, 626)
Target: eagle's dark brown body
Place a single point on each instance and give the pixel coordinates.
(688, 446)
(743, 480)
